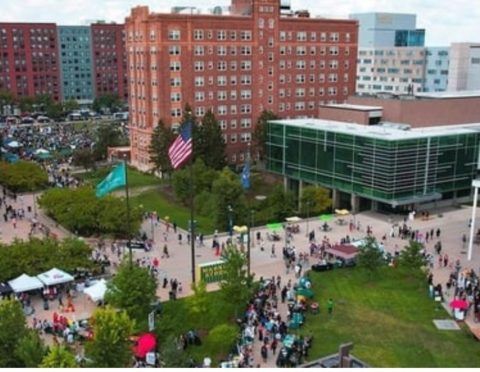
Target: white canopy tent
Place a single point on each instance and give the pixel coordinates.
(55, 276)
(293, 219)
(97, 291)
(14, 144)
(25, 283)
(42, 151)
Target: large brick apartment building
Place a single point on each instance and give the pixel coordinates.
(255, 58)
(65, 62)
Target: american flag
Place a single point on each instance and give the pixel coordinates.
(182, 147)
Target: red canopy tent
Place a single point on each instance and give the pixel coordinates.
(345, 251)
(145, 343)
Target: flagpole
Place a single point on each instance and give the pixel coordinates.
(192, 223)
(129, 230)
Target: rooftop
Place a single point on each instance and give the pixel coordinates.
(388, 133)
(448, 95)
(353, 107)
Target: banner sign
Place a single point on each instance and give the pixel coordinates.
(211, 272)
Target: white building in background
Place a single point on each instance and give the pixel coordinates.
(393, 70)
(436, 69)
(464, 68)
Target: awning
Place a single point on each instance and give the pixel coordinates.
(25, 283)
(325, 217)
(55, 276)
(345, 251)
(342, 212)
(293, 219)
(97, 291)
(275, 226)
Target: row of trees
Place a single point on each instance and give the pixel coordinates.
(38, 255)
(23, 176)
(80, 211)
(108, 103)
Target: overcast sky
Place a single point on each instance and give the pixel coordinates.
(445, 21)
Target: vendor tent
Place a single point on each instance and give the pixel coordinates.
(25, 283)
(344, 251)
(97, 291)
(14, 144)
(325, 217)
(293, 219)
(274, 226)
(42, 151)
(55, 276)
(342, 212)
(145, 343)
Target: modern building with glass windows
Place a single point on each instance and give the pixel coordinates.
(380, 167)
(76, 63)
(436, 69)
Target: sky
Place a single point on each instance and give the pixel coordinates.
(445, 21)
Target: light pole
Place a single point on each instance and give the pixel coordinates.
(230, 221)
(252, 219)
(308, 216)
(248, 248)
(152, 227)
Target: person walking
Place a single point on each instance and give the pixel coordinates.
(438, 233)
(264, 353)
(273, 251)
(14, 222)
(165, 252)
(274, 346)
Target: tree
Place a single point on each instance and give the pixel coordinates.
(202, 180)
(59, 357)
(315, 200)
(110, 346)
(260, 133)
(30, 349)
(133, 289)
(108, 135)
(55, 111)
(199, 300)
(70, 105)
(171, 356)
(6, 99)
(84, 158)
(25, 104)
(23, 176)
(370, 257)
(12, 329)
(236, 285)
(228, 191)
(162, 138)
(411, 257)
(210, 145)
(281, 203)
(107, 103)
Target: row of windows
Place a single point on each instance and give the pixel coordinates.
(222, 95)
(302, 50)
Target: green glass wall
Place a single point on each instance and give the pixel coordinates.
(392, 171)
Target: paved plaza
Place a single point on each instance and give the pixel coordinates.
(453, 223)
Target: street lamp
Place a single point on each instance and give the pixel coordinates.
(308, 216)
(230, 220)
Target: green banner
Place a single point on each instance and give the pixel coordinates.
(211, 272)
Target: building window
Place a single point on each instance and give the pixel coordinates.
(233, 35)
(199, 50)
(175, 82)
(175, 97)
(222, 65)
(173, 34)
(222, 110)
(198, 34)
(283, 36)
(246, 50)
(246, 35)
(174, 65)
(199, 81)
(200, 111)
(221, 80)
(301, 36)
(221, 95)
(222, 35)
(245, 123)
(233, 139)
(199, 66)
(174, 50)
(199, 96)
(176, 113)
(245, 109)
(222, 50)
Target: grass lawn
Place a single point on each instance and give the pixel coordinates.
(155, 200)
(135, 177)
(177, 319)
(389, 319)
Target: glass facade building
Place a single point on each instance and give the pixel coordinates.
(410, 38)
(387, 165)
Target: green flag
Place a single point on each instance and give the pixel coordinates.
(114, 180)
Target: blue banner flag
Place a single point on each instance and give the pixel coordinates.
(114, 180)
(246, 175)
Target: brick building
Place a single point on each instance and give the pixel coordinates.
(29, 59)
(240, 64)
(109, 59)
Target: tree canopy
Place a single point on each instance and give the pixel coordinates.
(23, 176)
(133, 289)
(109, 135)
(260, 134)
(162, 138)
(59, 357)
(13, 328)
(209, 144)
(30, 349)
(315, 200)
(108, 103)
(370, 257)
(110, 346)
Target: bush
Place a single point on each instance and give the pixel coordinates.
(222, 337)
(23, 176)
(80, 211)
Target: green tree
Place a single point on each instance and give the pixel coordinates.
(109, 103)
(108, 135)
(59, 357)
(162, 138)
(228, 191)
(210, 145)
(70, 105)
(260, 134)
(370, 257)
(12, 329)
(222, 336)
(25, 104)
(55, 111)
(43, 102)
(202, 180)
(237, 285)
(30, 349)
(281, 203)
(315, 200)
(23, 176)
(6, 99)
(171, 356)
(111, 345)
(84, 157)
(199, 300)
(133, 289)
(411, 257)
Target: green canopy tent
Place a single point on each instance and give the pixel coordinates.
(326, 217)
(305, 292)
(275, 226)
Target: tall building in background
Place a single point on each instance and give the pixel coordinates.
(464, 68)
(255, 58)
(109, 59)
(29, 59)
(436, 69)
(75, 44)
(385, 30)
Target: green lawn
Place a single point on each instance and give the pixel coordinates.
(176, 319)
(135, 177)
(389, 319)
(155, 200)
